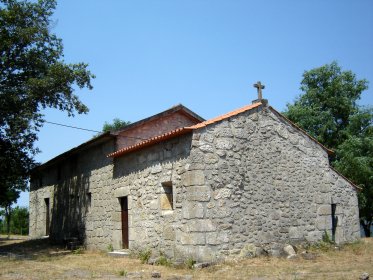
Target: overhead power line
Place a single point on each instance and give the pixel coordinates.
(90, 130)
(75, 127)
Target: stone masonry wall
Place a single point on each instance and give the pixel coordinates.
(250, 181)
(257, 181)
(38, 211)
(140, 176)
(79, 194)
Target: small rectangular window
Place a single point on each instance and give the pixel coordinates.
(167, 202)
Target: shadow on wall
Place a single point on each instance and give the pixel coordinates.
(72, 194)
(70, 205)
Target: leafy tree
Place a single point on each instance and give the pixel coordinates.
(355, 160)
(115, 125)
(19, 223)
(11, 195)
(33, 76)
(328, 110)
(20, 220)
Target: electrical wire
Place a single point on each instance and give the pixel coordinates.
(91, 130)
(75, 127)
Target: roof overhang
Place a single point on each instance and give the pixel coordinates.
(86, 145)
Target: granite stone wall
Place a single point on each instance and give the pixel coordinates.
(78, 205)
(257, 181)
(248, 183)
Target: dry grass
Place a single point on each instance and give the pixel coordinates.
(47, 262)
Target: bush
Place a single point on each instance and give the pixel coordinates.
(190, 262)
(162, 260)
(144, 255)
(110, 248)
(122, 273)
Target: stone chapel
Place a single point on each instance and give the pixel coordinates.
(190, 188)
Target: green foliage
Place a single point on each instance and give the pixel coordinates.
(355, 160)
(33, 76)
(123, 273)
(190, 262)
(117, 124)
(162, 260)
(328, 111)
(145, 255)
(19, 223)
(327, 104)
(321, 246)
(326, 238)
(110, 248)
(78, 251)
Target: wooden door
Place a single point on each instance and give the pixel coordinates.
(124, 207)
(47, 210)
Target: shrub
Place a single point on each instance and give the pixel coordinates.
(162, 260)
(144, 255)
(326, 238)
(122, 273)
(190, 262)
(78, 251)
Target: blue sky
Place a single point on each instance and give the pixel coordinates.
(205, 54)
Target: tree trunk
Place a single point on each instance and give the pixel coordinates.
(8, 214)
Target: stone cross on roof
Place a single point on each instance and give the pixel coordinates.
(259, 87)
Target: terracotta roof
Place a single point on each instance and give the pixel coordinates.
(151, 141)
(226, 116)
(180, 131)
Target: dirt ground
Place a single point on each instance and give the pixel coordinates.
(21, 258)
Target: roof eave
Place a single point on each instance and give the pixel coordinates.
(92, 142)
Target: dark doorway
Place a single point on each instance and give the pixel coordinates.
(124, 214)
(334, 221)
(47, 211)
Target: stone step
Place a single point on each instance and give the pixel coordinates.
(124, 253)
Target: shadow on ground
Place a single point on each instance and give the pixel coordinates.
(29, 248)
